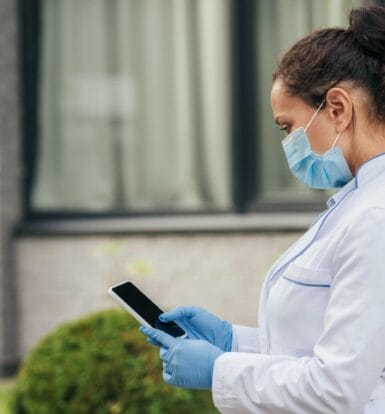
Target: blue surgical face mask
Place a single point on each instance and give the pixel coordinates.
(329, 170)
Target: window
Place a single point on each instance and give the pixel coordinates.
(151, 106)
(134, 106)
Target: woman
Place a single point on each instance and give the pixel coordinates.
(320, 343)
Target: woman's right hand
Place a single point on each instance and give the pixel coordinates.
(200, 324)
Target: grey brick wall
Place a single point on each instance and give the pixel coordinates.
(60, 279)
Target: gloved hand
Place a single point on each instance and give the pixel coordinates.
(187, 363)
(200, 324)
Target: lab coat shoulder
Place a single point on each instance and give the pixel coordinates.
(362, 237)
(349, 355)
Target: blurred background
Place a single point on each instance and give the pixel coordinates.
(137, 142)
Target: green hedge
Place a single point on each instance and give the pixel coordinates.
(101, 365)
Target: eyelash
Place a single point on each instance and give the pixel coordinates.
(285, 128)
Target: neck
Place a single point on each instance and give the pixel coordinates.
(370, 145)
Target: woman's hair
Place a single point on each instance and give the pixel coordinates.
(325, 57)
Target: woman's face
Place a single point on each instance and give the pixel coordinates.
(291, 112)
(348, 111)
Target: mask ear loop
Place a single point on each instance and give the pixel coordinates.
(314, 115)
(334, 143)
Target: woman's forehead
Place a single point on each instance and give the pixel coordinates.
(282, 102)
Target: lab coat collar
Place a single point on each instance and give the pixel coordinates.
(367, 171)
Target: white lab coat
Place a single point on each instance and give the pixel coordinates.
(319, 347)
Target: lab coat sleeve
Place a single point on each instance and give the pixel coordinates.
(349, 354)
(245, 339)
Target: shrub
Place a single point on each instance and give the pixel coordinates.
(100, 364)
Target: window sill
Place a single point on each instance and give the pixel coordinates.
(251, 222)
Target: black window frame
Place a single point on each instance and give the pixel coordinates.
(244, 138)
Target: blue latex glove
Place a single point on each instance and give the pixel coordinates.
(200, 324)
(187, 363)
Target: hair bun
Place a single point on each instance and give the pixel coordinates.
(367, 24)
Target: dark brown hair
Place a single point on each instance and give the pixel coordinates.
(325, 57)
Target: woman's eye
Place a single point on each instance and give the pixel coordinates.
(285, 128)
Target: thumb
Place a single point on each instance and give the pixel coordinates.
(178, 313)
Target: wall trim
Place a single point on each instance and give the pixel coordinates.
(259, 222)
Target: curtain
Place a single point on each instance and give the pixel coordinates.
(280, 24)
(134, 106)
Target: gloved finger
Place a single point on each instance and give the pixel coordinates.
(159, 336)
(153, 342)
(150, 340)
(167, 377)
(179, 312)
(167, 367)
(164, 354)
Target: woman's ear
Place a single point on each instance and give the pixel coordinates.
(339, 107)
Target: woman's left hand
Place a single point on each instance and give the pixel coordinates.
(187, 363)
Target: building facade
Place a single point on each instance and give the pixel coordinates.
(137, 142)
